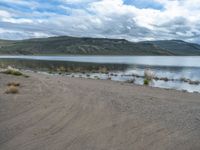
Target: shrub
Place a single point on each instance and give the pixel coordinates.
(12, 90)
(103, 70)
(62, 69)
(13, 72)
(146, 82)
(148, 74)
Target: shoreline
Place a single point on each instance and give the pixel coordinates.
(180, 78)
(71, 75)
(81, 76)
(59, 112)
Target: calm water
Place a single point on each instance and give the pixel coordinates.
(176, 69)
(178, 61)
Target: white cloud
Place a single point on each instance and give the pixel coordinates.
(17, 21)
(4, 14)
(179, 19)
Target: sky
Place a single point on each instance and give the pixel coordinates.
(134, 20)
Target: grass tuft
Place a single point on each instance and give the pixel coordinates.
(149, 74)
(12, 90)
(146, 82)
(13, 72)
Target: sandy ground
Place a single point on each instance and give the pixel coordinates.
(62, 113)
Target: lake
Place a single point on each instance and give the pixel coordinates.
(174, 61)
(171, 72)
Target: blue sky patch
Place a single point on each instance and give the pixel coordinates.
(144, 4)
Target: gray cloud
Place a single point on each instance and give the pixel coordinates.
(104, 18)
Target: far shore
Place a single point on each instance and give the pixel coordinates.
(59, 112)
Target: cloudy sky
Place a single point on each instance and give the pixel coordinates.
(134, 20)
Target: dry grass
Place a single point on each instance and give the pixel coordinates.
(149, 74)
(12, 90)
(13, 71)
(103, 70)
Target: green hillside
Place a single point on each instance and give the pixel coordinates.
(64, 45)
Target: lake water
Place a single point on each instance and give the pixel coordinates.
(172, 72)
(174, 61)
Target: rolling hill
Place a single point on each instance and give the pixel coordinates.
(65, 45)
(178, 47)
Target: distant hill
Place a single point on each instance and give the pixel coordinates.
(177, 46)
(64, 45)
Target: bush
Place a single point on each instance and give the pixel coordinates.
(12, 90)
(148, 74)
(103, 70)
(62, 69)
(13, 72)
(146, 82)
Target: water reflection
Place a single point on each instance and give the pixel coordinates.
(179, 61)
(181, 73)
(174, 78)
